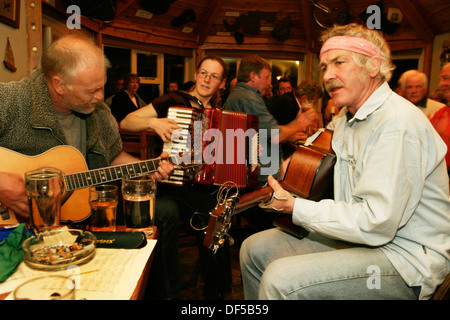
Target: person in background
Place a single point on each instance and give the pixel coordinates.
(127, 100)
(267, 94)
(284, 85)
(413, 86)
(390, 216)
(173, 86)
(253, 78)
(286, 107)
(329, 112)
(117, 87)
(441, 119)
(194, 200)
(232, 83)
(438, 96)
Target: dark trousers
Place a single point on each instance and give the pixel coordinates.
(215, 268)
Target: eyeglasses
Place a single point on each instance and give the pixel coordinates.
(214, 77)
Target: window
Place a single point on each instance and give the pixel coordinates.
(173, 70)
(120, 59)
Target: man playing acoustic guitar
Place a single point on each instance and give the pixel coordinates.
(61, 104)
(385, 235)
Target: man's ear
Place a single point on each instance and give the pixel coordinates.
(58, 84)
(375, 65)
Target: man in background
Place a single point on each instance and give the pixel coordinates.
(413, 86)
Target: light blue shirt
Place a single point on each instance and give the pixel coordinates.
(391, 189)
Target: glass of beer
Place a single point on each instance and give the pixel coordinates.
(139, 195)
(306, 105)
(103, 200)
(44, 189)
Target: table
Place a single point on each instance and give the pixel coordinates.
(113, 274)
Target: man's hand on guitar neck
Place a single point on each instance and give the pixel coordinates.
(13, 194)
(165, 168)
(282, 200)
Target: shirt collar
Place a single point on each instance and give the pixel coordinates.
(375, 101)
(241, 84)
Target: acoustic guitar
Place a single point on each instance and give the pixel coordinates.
(309, 175)
(76, 176)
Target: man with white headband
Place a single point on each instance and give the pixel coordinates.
(385, 235)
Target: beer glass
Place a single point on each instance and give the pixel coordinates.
(306, 105)
(44, 189)
(103, 200)
(139, 202)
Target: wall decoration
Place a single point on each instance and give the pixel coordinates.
(10, 12)
(9, 57)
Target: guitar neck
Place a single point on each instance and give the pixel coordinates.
(108, 174)
(253, 198)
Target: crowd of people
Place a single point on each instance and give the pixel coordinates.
(391, 205)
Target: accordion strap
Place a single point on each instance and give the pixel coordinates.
(190, 97)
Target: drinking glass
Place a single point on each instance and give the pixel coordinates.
(49, 287)
(103, 200)
(44, 189)
(309, 130)
(139, 195)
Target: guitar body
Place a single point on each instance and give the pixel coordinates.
(65, 158)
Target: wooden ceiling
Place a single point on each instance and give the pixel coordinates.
(247, 25)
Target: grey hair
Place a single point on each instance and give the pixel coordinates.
(66, 56)
(359, 31)
(405, 75)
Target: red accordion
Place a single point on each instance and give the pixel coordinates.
(224, 143)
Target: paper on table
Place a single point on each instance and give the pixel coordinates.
(112, 275)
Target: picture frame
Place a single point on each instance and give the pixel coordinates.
(10, 12)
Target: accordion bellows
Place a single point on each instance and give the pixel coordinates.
(225, 143)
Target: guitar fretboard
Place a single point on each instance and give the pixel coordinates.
(98, 176)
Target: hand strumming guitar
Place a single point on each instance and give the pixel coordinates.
(13, 194)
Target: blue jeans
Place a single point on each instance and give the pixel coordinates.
(276, 265)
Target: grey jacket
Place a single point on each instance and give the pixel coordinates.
(28, 123)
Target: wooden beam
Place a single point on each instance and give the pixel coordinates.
(409, 10)
(307, 22)
(123, 5)
(33, 12)
(146, 37)
(309, 62)
(211, 16)
(427, 57)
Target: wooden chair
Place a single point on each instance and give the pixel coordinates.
(135, 143)
(443, 291)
